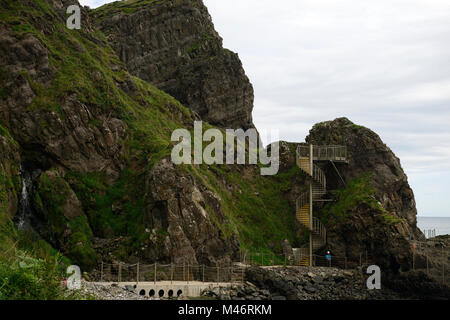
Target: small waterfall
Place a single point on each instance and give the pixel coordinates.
(26, 210)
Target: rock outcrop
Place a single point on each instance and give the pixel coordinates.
(177, 203)
(49, 137)
(363, 229)
(173, 45)
(367, 154)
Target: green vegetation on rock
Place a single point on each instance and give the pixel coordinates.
(257, 209)
(355, 192)
(53, 194)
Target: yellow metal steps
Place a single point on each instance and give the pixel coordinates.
(318, 188)
(303, 216)
(304, 164)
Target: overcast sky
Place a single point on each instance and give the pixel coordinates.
(383, 64)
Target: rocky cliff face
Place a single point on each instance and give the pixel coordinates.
(58, 133)
(9, 172)
(173, 45)
(177, 203)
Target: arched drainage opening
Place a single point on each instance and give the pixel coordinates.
(161, 293)
(170, 293)
(142, 292)
(151, 293)
(179, 293)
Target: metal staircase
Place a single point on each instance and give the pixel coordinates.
(306, 155)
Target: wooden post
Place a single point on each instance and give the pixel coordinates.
(218, 278)
(155, 273)
(231, 274)
(203, 272)
(137, 273)
(101, 273)
(444, 262)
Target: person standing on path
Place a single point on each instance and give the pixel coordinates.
(328, 257)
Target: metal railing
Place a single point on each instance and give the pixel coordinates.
(429, 233)
(435, 264)
(324, 153)
(265, 259)
(121, 272)
(302, 200)
(319, 230)
(320, 177)
(432, 258)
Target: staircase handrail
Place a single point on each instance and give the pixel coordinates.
(319, 229)
(302, 200)
(319, 176)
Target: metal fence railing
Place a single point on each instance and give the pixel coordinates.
(121, 272)
(431, 258)
(271, 259)
(334, 153)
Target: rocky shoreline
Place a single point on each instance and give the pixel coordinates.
(301, 283)
(108, 292)
(321, 283)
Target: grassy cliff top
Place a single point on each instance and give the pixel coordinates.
(126, 7)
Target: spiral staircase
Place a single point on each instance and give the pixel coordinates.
(306, 155)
